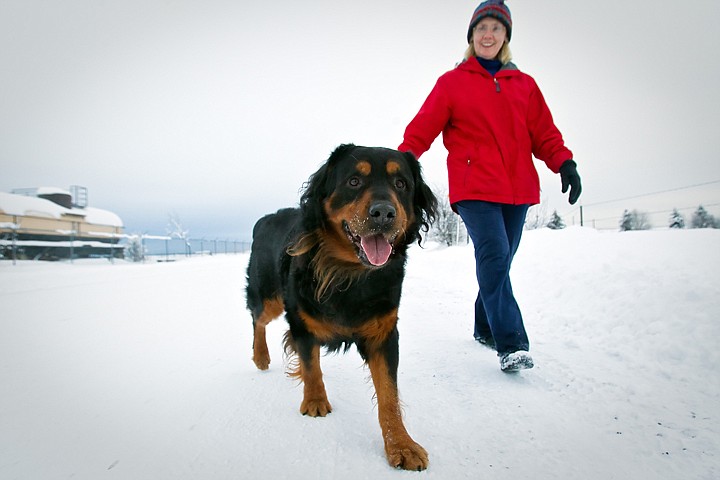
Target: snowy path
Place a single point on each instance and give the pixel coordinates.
(144, 371)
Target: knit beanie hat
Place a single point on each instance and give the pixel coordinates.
(491, 8)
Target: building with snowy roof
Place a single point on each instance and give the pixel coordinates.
(52, 223)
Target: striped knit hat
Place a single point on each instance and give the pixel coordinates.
(491, 8)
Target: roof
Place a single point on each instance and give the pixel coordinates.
(22, 205)
(52, 191)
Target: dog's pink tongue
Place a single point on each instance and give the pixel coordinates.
(377, 249)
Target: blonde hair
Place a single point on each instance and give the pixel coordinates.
(504, 55)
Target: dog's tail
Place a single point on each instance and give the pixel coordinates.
(292, 361)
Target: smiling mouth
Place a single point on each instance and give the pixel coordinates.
(373, 249)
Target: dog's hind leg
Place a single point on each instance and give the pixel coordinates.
(271, 309)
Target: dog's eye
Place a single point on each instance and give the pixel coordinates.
(354, 182)
(400, 184)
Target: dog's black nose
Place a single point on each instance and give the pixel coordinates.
(382, 213)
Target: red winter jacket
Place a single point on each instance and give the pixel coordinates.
(491, 129)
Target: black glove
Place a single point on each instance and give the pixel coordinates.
(570, 178)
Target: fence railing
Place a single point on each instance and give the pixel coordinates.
(37, 244)
(168, 247)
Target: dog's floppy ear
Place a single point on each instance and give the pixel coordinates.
(424, 201)
(339, 152)
(319, 187)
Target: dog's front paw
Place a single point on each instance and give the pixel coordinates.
(316, 407)
(262, 361)
(408, 456)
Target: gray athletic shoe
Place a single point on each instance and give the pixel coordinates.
(515, 361)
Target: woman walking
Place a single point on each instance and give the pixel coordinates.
(493, 119)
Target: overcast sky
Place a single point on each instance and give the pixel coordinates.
(218, 110)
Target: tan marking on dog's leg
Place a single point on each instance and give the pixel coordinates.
(271, 310)
(315, 402)
(376, 331)
(401, 450)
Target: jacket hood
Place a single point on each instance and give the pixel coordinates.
(472, 65)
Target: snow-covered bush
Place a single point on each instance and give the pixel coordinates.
(702, 219)
(556, 222)
(135, 249)
(634, 220)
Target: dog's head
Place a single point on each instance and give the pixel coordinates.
(369, 202)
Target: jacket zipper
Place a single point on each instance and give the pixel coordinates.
(497, 85)
(467, 172)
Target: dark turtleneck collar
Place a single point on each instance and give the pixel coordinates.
(493, 66)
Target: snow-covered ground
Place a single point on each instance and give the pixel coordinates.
(143, 371)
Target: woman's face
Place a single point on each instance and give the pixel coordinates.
(488, 37)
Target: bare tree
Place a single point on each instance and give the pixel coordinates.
(537, 216)
(175, 229)
(448, 227)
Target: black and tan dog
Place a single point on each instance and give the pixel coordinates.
(336, 267)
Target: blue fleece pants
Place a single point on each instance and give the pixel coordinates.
(495, 230)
